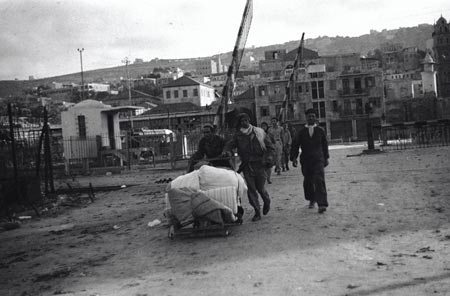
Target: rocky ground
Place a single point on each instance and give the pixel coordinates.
(386, 232)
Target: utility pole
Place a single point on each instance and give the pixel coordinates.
(82, 78)
(126, 62)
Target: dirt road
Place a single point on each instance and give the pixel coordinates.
(386, 232)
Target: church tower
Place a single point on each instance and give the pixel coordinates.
(429, 83)
(441, 49)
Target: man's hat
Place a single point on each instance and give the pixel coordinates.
(311, 110)
(242, 116)
(208, 125)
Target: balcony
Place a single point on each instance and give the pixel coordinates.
(347, 92)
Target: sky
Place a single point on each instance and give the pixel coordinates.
(41, 37)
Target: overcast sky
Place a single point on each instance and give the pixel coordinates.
(41, 37)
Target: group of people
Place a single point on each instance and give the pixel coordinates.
(262, 148)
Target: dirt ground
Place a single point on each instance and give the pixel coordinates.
(386, 232)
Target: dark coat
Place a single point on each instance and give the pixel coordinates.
(249, 148)
(314, 149)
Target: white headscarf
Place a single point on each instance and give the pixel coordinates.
(259, 132)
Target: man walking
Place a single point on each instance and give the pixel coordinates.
(275, 132)
(314, 158)
(254, 148)
(286, 139)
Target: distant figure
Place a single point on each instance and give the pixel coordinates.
(265, 127)
(275, 133)
(211, 146)
(254, 149)
(314, 158)
(286, 139)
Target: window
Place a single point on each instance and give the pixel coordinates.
(264, 110)
(369, 81)
(168, 94)
(262, 90)
(300, 88)
(321, 90)
(276, 89)
(317, 90)
(314, 89)
(82, 126)
(185, 93)
(358, 84)
(346, 86)
(335, 106)
(322, 113)
(195, 92)
(320, 108)
(359, 106)
(332, 84)
(347, 107)
(175, 94)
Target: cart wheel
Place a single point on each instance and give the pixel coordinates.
(171, 233)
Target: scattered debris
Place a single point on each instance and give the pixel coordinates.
(381, 263)
(115, 227)
(350, 286)
(423, 250)
(154, 223)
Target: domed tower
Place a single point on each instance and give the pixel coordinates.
(441, 49)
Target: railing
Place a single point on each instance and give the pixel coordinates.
(411, 135)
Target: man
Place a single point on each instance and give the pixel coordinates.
(211, 146)
(314, 158)
(254, 148)
(286, 139)
(275, 132)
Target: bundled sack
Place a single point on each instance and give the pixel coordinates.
(211, 210)
(190, 180)
(212, 178)
(181, 208)
(226, 196)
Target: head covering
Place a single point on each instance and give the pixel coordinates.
(209, 125)
(311, 110)
(242, 116)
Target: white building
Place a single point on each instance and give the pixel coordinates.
(186, 89)
(89, 126)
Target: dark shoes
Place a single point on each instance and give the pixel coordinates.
(257, 217)
(266, 208)
(322, 210)
(269, 182)
(311, 204)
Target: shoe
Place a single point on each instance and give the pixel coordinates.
(311, 204)
(266, 208)
(257, 217)
(269, 182)
(283, 169)
(322, 210)
(278, 173)
(287, 168)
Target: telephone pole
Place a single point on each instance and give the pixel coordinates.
(82, 79)
(126, 62)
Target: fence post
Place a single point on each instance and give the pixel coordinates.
(13, 150)
(172, 152)
(128, 141)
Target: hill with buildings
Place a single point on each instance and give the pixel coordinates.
(324, 45)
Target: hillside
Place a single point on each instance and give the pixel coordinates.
(409, 37)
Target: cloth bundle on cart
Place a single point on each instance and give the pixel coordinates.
(211, 193)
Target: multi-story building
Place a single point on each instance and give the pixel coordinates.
(205, 67)
(186, 89)
(441, 49)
